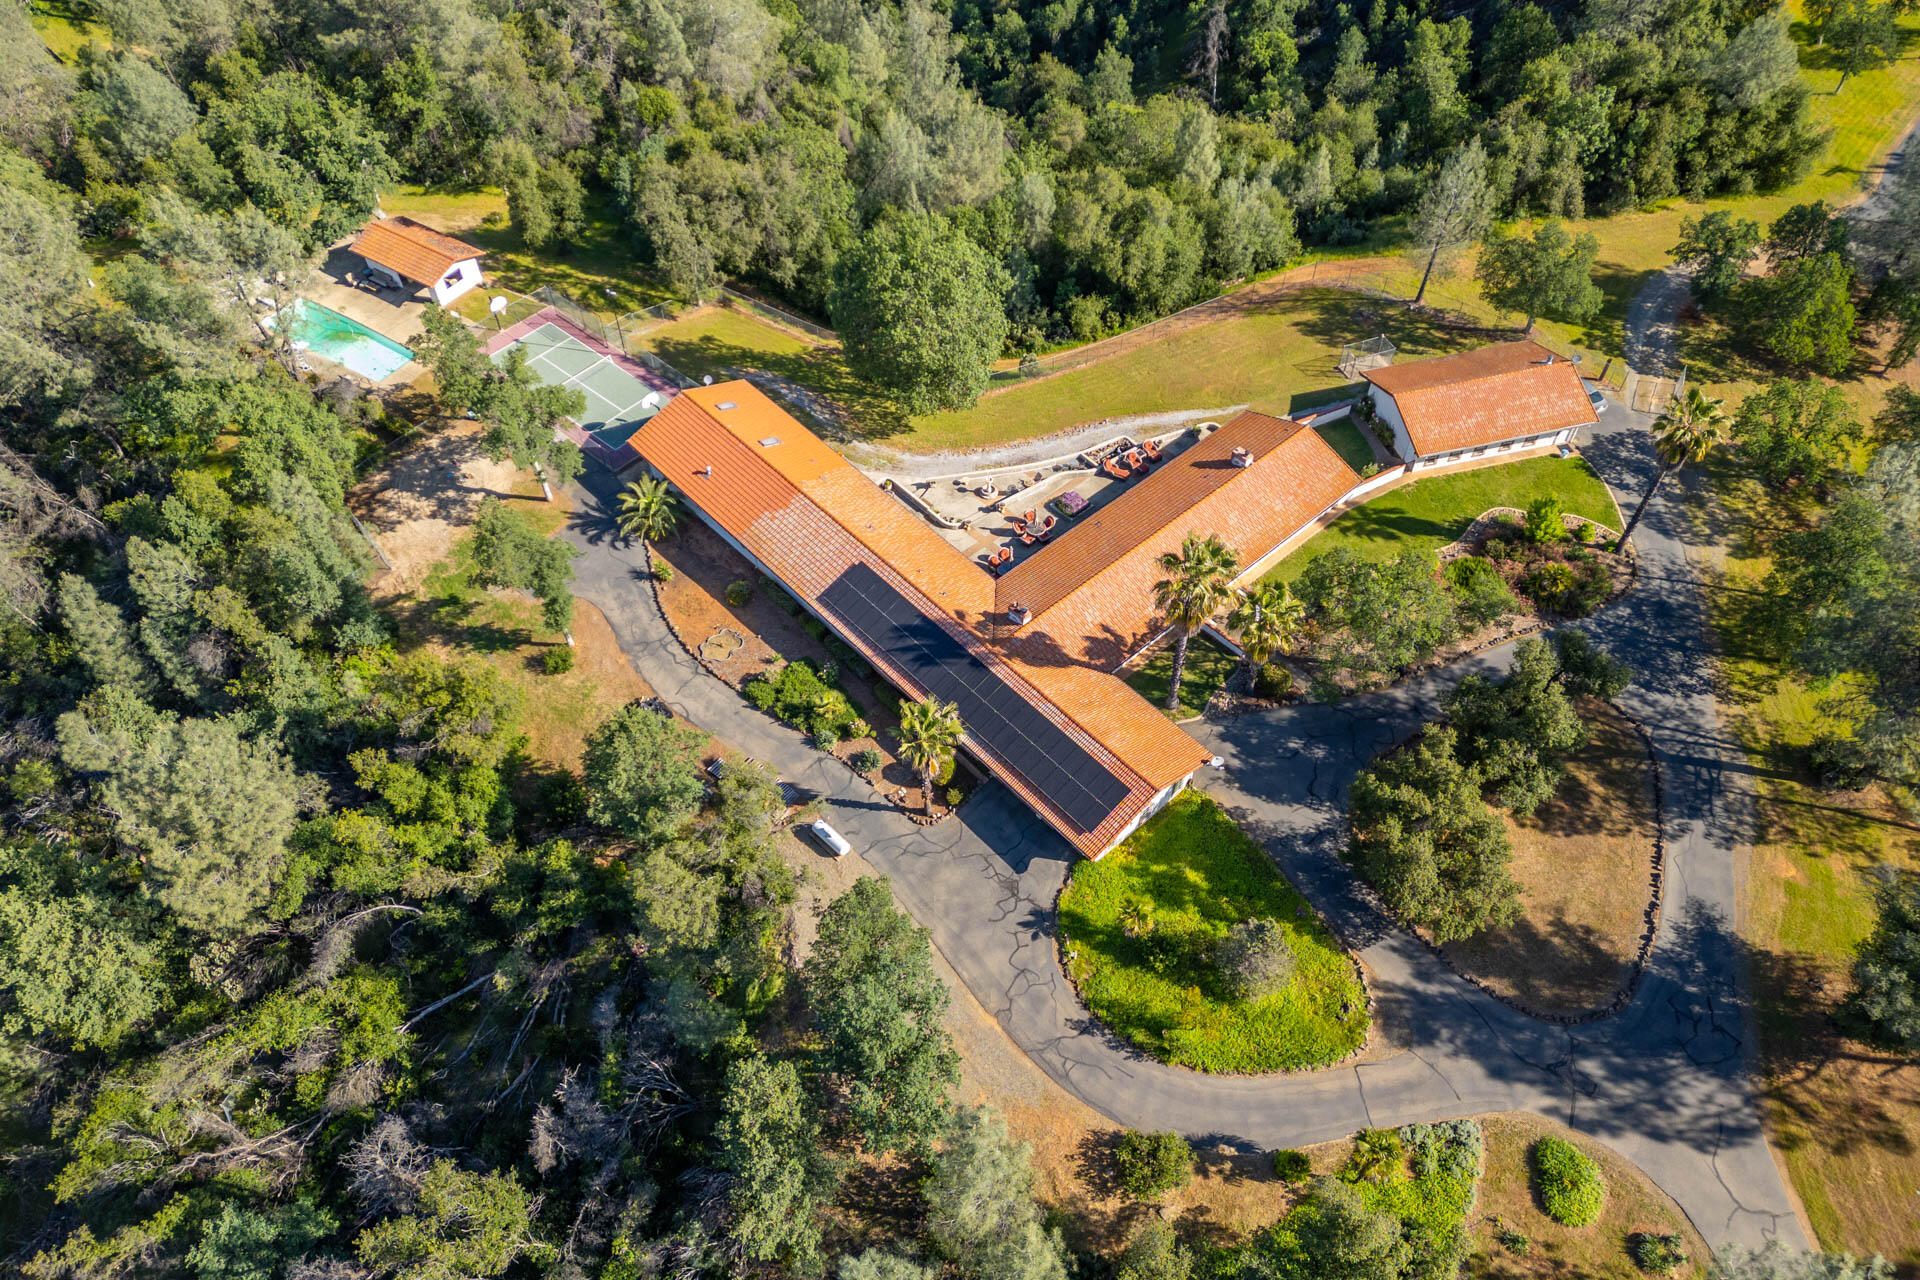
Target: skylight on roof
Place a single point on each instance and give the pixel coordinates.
(767, 442)
(725, 404)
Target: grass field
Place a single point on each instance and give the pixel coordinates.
(64, 32)
(1278, 357)
(1347, 441)
(1201, 874)
(1208, 667)
(1846, 1117)
(1428, 514)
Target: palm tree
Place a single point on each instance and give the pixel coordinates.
(1686, 432)
(1136, 918)
(1198, 582)
(1268, 620)
(648, 509)
(929, 731)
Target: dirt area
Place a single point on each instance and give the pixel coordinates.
(1584, 861)
(423, 497)
(1508, 1201)
(739, 642)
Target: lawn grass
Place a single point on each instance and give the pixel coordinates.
(1429, 513)
(64, 31)
(1279, 356)
(1201, 874)
(473, 306)
(1347, 441)
(1208, 667)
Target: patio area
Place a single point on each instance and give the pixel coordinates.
(393, 313)
(1008, 514)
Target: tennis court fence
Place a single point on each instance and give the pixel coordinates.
(614, 336)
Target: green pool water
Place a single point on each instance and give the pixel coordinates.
(326, 332)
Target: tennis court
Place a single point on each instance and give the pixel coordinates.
(618, 401)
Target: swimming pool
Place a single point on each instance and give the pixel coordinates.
(326, 332)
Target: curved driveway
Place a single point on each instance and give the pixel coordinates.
(1666, 1083)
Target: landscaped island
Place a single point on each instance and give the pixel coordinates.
(1171, 941)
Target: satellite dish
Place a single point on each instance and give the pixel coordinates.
(707, 381)
(498, 304)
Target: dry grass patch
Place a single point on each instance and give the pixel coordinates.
(1583, 861)
(1508, 1201)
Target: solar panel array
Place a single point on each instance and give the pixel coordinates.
(994, 713)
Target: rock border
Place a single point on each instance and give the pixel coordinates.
(1657, 868)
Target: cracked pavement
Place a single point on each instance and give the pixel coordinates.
(1666, 1082)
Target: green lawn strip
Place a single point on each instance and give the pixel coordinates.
(474, 306)
(1201, 875)
(1429, 513)
(1279, 358)
(1208, 667)
(1347, 441)
(64, 32)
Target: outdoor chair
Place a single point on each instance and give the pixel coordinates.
(1153, 450)
(1049, 523)
(1113, 468)
(1136, 461)
(1028, 539)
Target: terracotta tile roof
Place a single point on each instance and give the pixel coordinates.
(1091, 590)
(1484, 396)
(808, 516)
(416, 251)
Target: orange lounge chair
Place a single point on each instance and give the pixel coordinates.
(1113, 467)
(1153, 450)
(1136, 461)
(1028, 539)
(1049, 523)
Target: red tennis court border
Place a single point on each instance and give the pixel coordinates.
(614, 458)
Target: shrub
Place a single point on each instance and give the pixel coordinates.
(558, 660)
(1292, 1166)
(662, 571)
(1657, 1254)
(1570, 1182)
(859, 728)
(813, 627)
(954, 796)
(1272, 682)
(798, 695)
(738, 593)
(1152, 1164)
(1546, 584)
(1498, 549)
(1479, 592)
(1254, 959)
(1583, 531)
(1377, 1154)
(791, 605)
(826, 734)
(1515, 1241)
(866, 760)
(1546, 521)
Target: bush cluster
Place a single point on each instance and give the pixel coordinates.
(865, 760)
(1546, 521)
(799, 696)
(1255, 960)
(1479, 592)
(557, 660)
(738, 593)
(1272, 682)
(1659, 1255)
(1570, 1182)
(1292, 1166)
(1152, 1164)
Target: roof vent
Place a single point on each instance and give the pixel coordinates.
(706, 470)
(725, 404)
(1019, 615)
(1242, 456)
(767, 442)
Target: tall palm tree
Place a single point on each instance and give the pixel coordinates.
(929, 731)
(648, 509)
(1687, 432)
(1268, 620)
(1198, 582)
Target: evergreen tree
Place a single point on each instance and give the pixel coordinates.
(102, 638)
(769, 1140)
(1549, 273)
(642, 774)
(1455, 211)
(980, 1207)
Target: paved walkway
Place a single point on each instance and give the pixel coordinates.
(1665, 1083)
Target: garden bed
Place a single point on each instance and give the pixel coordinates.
(772, 629)
(1196, 875)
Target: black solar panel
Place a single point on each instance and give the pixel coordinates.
(1036, 748)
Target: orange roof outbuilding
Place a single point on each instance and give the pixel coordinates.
(412, 249)
(810, 519)
(1485, 396)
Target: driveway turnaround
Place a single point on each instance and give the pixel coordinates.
(1666, 1083)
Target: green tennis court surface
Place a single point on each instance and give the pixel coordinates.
(617, 401)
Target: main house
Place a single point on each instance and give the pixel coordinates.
(402, 250)
(1030, 657)
(1512, 397)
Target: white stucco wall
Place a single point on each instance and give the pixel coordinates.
(1390, 414)
(465, 276)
